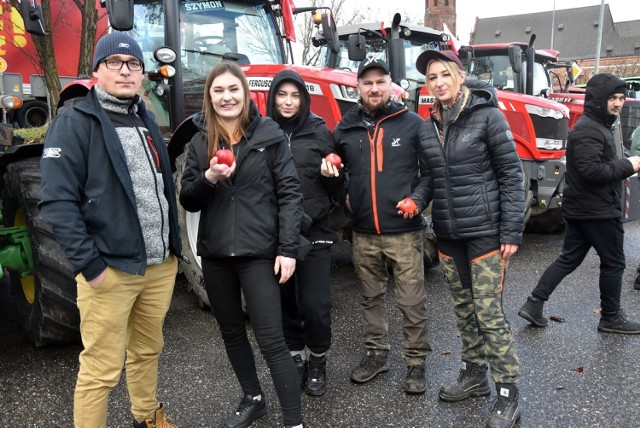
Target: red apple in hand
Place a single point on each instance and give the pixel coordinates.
(407, 206)
(225, 156)
(333, 159)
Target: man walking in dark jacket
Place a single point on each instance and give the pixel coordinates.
(107, 190)
(380, 147)
(591, 206)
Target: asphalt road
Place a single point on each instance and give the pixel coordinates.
(572, 376)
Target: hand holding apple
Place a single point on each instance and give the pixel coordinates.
(225, 156)
(330, 165)
(407, 208)
(221, 166)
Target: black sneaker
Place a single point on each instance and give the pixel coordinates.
(414, 382)
(616, 322)
(532, 312)
(370, 366)
(317, 375)
(301, 365)
(472, 382)
(248, 411)
(636, 283)
(505, 412)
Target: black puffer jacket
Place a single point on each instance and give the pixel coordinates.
(593, 180)
(310, 141)
(385, 165)
(256, 212)
(476, 175)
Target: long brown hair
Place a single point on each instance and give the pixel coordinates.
(216, 129)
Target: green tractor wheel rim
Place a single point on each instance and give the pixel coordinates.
(27, 283)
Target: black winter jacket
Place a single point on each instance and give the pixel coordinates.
(475, 176)
(594, 175)
(385, 164)
(87, 194)
(256, 212)
(310, 141)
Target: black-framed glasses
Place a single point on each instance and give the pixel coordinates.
(116, 64)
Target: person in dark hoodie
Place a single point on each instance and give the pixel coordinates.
(248, 235)
(591, 206)
(306, 297)
(475, 182)
(379, 143)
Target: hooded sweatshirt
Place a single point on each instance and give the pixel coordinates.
(310, 141)
(594, 171)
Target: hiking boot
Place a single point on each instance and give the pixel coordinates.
(159, 420)
(414, 382)
(472, 382)
(636, 283)
(616, 322)
(301, 365)
(248, 411)
(532, 312)
(505, 412)
(370, 366)
(317, 375)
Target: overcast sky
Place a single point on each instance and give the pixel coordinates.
(467, 10)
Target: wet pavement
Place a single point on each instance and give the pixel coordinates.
(572, 376)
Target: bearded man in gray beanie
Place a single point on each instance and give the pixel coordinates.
(592, 207)
(108, 192)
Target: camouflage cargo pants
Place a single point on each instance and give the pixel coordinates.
(485, 333)
(404, 252)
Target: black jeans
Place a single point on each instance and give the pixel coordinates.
(225, 280)
(607, 237)
(306, 303)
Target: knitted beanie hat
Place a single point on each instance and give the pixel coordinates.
(116, 43)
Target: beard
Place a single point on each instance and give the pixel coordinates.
(374, 107)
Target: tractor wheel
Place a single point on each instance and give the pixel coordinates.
(33, 114)
(189, 235)
(550, 221)
(46, 299)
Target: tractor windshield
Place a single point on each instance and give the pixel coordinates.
(209, 29)
(496, 70)
(377, 47)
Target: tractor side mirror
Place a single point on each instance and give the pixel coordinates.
(357, 47)
(330, 32)
(515, 58)
(120, 14)
(32, 15)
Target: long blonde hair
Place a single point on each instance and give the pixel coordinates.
(216, 129)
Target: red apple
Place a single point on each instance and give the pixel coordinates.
(333, 159)
(225, 156)
(407, 206)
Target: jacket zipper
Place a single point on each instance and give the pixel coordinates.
(376, 150)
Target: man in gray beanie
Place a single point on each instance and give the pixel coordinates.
(108, 192)
(592, 206)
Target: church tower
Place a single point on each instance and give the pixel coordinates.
(440, 11)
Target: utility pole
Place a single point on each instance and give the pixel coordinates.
(599, 43)
(553, 22)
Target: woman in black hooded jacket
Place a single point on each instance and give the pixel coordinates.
(306, 297)
(248, 235)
